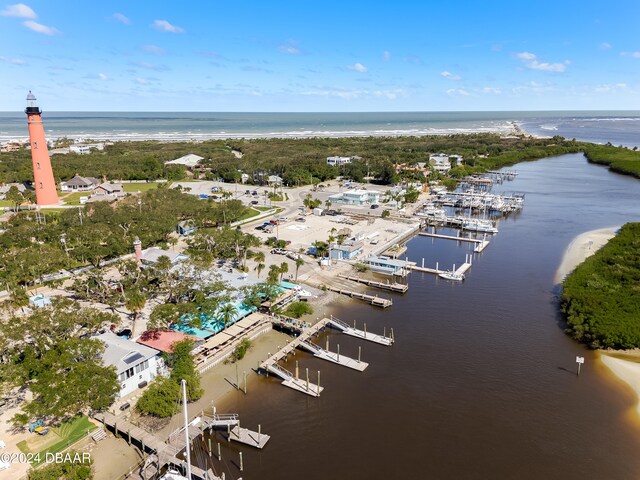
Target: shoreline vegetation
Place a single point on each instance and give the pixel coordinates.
(600, 298)
(624, 365)
(302, 161)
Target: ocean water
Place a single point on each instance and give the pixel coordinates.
(617, 127)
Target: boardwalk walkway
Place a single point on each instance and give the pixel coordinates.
(371, 299)
(394, 287)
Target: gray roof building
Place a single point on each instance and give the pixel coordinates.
(122, 353)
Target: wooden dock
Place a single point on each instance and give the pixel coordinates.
(247, 437)
(166, 453)
(370, 299)
(394, 287)
(480, 244)
(305, 386)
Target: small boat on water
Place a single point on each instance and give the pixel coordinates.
(478, 225)
(452, 275)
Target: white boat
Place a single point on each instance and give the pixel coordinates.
(451, 275)
(478, 225)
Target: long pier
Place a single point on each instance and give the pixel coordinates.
(480, 244)
(394, 287)
(370, 299)
(305, 386)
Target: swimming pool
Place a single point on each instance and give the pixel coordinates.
(212, 324)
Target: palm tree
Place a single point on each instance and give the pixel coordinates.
(259, 268)
(228, 312)
(284, 268)
(299, 263)
(135, 301)
(274, 271)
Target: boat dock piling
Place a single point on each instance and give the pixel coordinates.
(370, 299)
(354, 332)
(394, 287)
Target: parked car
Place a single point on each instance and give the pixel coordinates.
(254, 192)
(301, 219)
(254, 202)
(293, 255)
(247, 192)
(374, 206)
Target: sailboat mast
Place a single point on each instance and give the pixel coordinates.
(186, 427)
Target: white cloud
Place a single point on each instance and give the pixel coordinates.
(19, 10)
(141, 81)
(354, 94)
(13, 61)
(531, 61)
(458, 92)
(102, 76)
(525, 56)
(153, 49)
(610, 88)
(164, 26)
(152, 66)
(605, 46)
(290, 47)
(631, 54)
(38, 27)
(358, 67)
(450, 76)
(494, 90)
(386, 56)
(121, 18)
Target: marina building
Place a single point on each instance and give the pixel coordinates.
(339, 161)
(356, 197)
(389, 266)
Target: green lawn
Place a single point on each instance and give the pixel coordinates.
(73, 198)
(139, 187)
(6, 203)
(58, 438)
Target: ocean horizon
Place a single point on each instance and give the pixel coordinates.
(620, 127)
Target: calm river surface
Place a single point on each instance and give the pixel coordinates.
(481, 382)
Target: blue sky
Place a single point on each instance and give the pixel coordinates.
(320, 56)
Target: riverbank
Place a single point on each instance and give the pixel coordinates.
(581, 248)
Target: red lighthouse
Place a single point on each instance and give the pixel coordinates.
(43, 182)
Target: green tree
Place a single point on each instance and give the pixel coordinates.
(299, 262)
(284, 268)
(298, 309)
(228, 312)
(15, 197)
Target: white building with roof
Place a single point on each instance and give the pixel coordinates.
(151, 255)
(136, 364)
(189, 161)
(336, 161)
(356, 197)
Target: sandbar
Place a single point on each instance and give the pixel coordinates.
(582, 247)
(626, 370)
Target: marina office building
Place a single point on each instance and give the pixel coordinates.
(356, 197)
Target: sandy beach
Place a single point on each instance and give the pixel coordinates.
(626, 367)
(582, 247)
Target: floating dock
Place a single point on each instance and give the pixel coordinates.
(480, 244)
(247, 437)
(394, 287)
(370, 299)
(462, 269)
(333, 357)
(305, 386)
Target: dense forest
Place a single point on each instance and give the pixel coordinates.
(34, 245)
(298, 161)
(601, 298)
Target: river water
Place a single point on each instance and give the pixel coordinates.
(481, 382)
